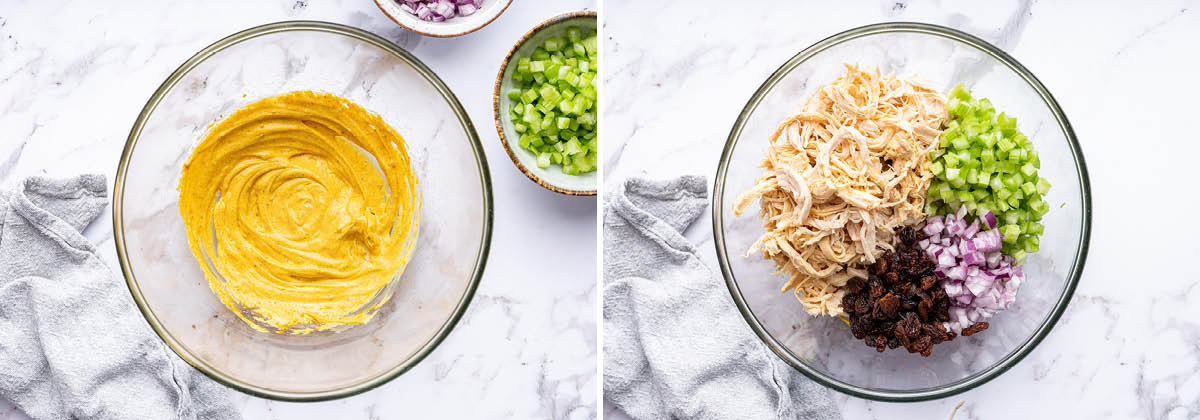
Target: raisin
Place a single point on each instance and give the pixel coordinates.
(900, 334)
(862, 305)
(889, 304)
(880, 267)
(928, 282)
(923, 309)
(876, 290)
(848, 303)
(923, 344)
(974, 328)
(900, 303)
(855, 285)
(891, 278)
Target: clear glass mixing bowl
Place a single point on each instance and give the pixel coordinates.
(822, 347)
(427, 299)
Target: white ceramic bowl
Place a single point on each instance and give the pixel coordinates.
(459, 25)
(551, 178)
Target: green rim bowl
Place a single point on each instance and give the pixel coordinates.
(552, 177)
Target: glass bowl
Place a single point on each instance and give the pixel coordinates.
(822, 347)
(427, 299)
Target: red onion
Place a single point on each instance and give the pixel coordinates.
(978, 279)
(439, 10)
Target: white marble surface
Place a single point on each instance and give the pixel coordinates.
(74, 75)
(678, 72)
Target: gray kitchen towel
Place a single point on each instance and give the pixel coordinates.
(72, 344)
(675, 346)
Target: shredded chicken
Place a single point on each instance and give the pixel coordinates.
(841, 175)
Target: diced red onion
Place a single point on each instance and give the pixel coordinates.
(956, 273)
(977, 277)
(945, 259)
(972, 258)
(971, 230)
(990, 218)
(439, 10)
(933, 228)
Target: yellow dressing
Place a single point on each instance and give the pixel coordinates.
(285, 200)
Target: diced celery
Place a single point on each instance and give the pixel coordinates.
(529, 96)
(589, 43)
(951, 162)
(1028, 188)
(984, 178)
(1005, 144)
(1011, 233)
(573, 147)
(554, 44)
(965, 196)
(574, 34)
(997, 185)
(960, 93)
(555, 93)
(960, 143)
(1034, 228)
(1043, 186)
(953, 174)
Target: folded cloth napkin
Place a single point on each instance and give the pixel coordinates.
(72, 344)
(674, 344)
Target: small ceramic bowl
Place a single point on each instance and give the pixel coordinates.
(552, 177)
(461, 25)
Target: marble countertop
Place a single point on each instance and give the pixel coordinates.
(1127, 345)
(74, 75)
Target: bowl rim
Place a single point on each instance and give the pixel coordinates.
(496, 114)
(481, 256)
(396, 20)
(1013, 357)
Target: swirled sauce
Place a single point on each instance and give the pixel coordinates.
(300, 208)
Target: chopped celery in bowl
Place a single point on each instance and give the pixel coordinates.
(545, 104)
(984, 163)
